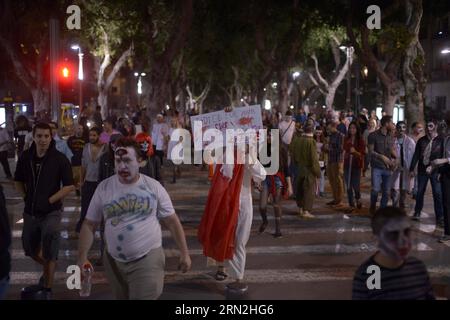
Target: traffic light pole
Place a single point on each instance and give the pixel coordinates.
(55, 103)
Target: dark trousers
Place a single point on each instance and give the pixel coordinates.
(352, 180)
(159, 154)
(422, 181)
(445, 186)
(5, 163)
(87, 192)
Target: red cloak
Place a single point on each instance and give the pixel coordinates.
(218, 225)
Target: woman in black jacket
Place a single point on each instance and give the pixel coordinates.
(5, 242)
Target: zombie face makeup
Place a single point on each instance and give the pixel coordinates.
(401, 128)
(395, 239)
(126, 165)
(431, 127)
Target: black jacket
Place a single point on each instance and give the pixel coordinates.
(152, 168)
(422, 143)
(55, 171)
(5, 238)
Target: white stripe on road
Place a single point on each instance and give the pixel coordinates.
(272, 250)
(251, 275)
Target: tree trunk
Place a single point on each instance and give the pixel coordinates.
(283, 94)
(413, 73)
(40, 100)
(102, 100)
(329, 99)
(390, 96)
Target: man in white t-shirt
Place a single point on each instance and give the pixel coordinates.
(132, 205)
(287, 128)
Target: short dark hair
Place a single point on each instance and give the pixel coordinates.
(288, 113)
(308, 128)
(385, 120)
(383, 215)
(127, 142)
(43, 126)
(96, 130)
(414, 124)
(54, 123)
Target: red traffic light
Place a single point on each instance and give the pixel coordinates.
(65, 72)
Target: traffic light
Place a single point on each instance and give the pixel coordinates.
(65, 72)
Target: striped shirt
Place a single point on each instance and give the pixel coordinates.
(335, 147)
(410, 281)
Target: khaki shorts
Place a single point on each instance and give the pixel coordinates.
(142, 279)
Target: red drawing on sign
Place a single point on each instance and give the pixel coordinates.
(245, 120)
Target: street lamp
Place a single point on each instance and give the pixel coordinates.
(139, 84)
(80, 74)
(349, 52)
(295, 75)
(445, 51)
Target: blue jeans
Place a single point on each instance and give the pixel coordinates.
(4, 284)
(381, 182)
(422, 181)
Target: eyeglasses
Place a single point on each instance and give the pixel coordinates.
(430, 126)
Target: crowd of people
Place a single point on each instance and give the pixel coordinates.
(114, 166)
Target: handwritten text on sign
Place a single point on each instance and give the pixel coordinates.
(240, 118)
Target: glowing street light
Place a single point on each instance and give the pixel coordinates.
(80, 73)
(445, 51)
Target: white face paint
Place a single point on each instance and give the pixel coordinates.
(126, 165)
(395, 239)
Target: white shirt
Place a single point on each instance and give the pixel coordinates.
(131, 213)
(159, 131)
(287, 129)
(4, 137)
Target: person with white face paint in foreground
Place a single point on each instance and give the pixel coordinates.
(132, 206)
(390, 274)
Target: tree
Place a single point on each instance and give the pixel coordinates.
(108, 31)
(413, 65)
(166, 26)
(25, 41)
(318, 38)
(382, 51)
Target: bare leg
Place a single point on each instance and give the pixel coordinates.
(263, 208)
(278, 213)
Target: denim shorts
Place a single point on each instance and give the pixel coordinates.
(42, 232)
(277, 180)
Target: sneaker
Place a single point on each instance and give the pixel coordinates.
(240, 287)
(415, 217)
(444, 239)
(307, 215)
(300, 212)
(277, 235)
(338, 205)
(359, 204)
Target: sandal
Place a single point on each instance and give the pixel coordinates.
(220, 276)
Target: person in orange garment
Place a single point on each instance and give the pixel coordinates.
(226, 223)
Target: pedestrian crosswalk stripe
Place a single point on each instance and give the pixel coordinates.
(251, 275)
(274, 250)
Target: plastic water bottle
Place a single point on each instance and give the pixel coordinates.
(86, 281)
